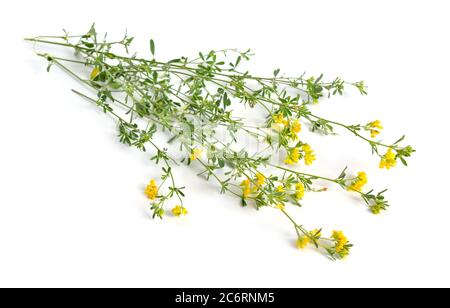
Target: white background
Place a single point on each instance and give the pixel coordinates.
(72, 211)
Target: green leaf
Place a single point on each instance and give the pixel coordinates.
(152, 47)
(400, 140)
(238, 60)
(319, 79)
(88, 45)
(403, 161)
(115, 85)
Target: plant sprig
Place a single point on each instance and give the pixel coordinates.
(192, 102)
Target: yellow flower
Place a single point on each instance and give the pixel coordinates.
(293, 157)
(310, 157)
(279, 119)
(281, 207)
(246, 188)
(296, 127)
(151, 190)
(316, 233)
(280, 188)
(279, 122)
(388, 160)
(376, 209)
(179, 210)
(359, 182)
(374, 133)
(260, 179)
(95, 72)
(196, 153)
(299, 191)
(302, 242)
(340, 242)
(375, 124)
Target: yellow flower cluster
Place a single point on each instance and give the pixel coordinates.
(196, 153)
(304, 241)
(280, 189)
(310, 157)
(151, 190)
(293, 157)
(376, 209)
(246, 188)
(280, 123)
(340, 243)
(299, 191)
(375, 128)
(179, 210)
(279, 119)
(260, 179)
(388, 160)
(359, 182)
(294, 129)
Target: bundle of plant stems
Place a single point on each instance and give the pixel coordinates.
(192, 101)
